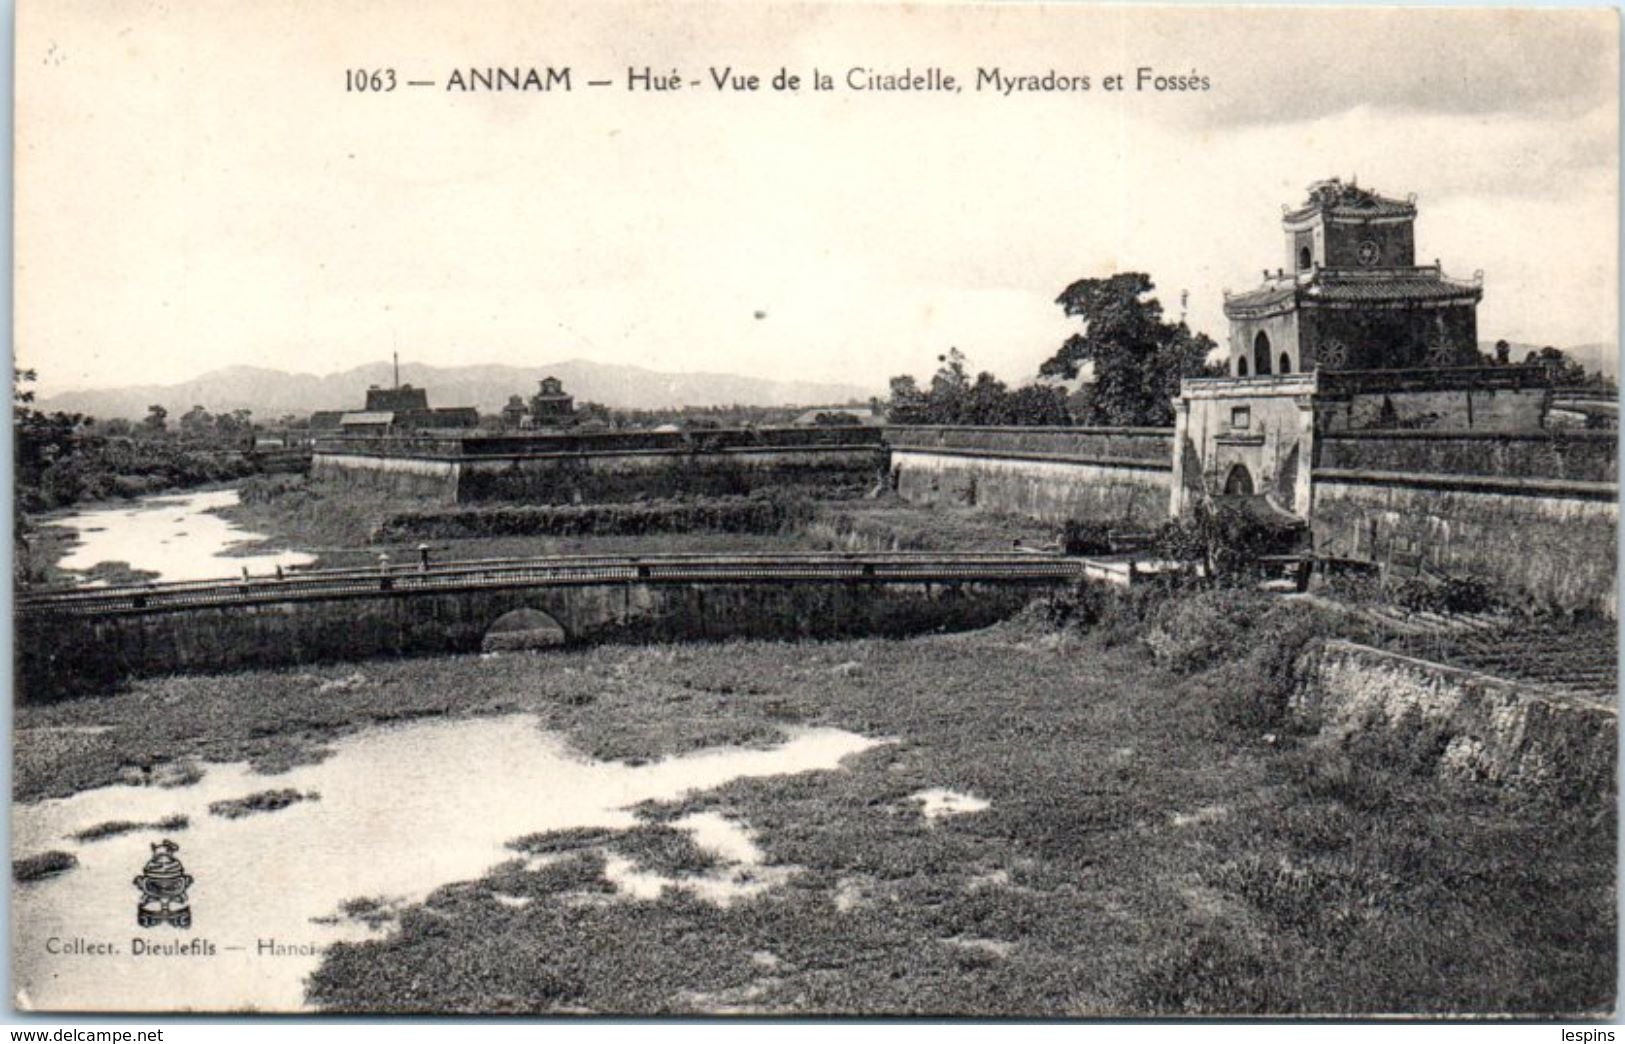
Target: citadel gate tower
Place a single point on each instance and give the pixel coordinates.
(1352, 296)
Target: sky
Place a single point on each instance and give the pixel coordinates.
(196, 189)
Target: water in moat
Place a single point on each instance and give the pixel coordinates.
(390, 815)
(178, 537)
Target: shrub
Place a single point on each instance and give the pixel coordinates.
(1202, 630)
(1085, 537)
(1114, 615)
(1228, 539)
(1450, 594)
(263, 489)
(1181, 539)
(1082, 607)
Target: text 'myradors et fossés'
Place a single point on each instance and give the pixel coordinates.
(733, 80)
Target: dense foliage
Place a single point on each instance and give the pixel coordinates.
(1138, 359)
(954, 398)
(1226, 539)
(66, 458)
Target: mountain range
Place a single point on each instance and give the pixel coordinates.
(272, 393)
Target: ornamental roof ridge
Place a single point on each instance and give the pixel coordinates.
(1334, 196)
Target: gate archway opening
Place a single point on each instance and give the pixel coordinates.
(1261, 354)
(1239, 482)
(523, 629)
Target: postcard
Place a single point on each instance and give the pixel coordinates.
(814, 509)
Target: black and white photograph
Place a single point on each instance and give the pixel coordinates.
(694, 509)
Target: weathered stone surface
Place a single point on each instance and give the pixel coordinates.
(61, 655)
(1048, 490)
(1556, 549)
(1117, 475)
(1586, 456)
(1479, 727)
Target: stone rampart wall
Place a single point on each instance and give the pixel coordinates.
(1479, 727)
(1047, 490)
(1554, 543)
(1589, 456)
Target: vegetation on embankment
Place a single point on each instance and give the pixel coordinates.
(348, 527)
(89, 469)
(1159, 840)
(764, 513)
(890, 523)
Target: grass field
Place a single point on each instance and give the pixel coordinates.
(339, 527)
(1145, 850)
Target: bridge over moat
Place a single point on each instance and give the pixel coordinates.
(87, 640)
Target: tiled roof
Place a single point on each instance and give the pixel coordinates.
(1379, 206)
(1355, 287)
(1263, 297)
(1427, 286)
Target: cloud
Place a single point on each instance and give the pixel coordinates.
(1274, 66)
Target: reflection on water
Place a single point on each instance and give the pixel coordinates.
(940, 801)
(173, 536)
(402, 811)
(739, 874)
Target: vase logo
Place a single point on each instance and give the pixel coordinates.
(163, 883)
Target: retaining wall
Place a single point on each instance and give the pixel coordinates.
(1587, 456)
(1478, 726)
(1554, 542)
(1117, 475)
(604, 466)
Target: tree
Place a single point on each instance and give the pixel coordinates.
(954, 398)
(1503, 352)
(42, 438)
(44, 441)
(156, 420)
(948, 401)
(986, 402)
(196, 422)
(1038, 404)
(907, 405)
(1564, 371)
(236, 427)
(1138, 359)
(115, 428)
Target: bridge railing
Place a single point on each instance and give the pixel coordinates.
(407, 566)
(898, 567)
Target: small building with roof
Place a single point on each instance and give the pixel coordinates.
(1352, 296)
(551, 406)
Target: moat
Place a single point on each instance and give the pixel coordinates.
(173, 537)
(379, 823)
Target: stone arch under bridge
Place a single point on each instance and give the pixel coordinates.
(524, 628)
